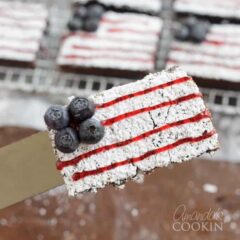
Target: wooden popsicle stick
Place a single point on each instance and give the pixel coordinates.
(27, 168)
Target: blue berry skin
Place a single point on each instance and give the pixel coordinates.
(81, 109)
(57, 117)
(95, 11)
(75, 24)
(191, 22)
(91, 131)
(182, 33)
(91, 25)
(199, 32)
(66, 140)
(80, 12)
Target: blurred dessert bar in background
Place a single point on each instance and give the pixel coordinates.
(144, 6)
(22, 27)
(209, 52)
(110, 43)
(216, 10)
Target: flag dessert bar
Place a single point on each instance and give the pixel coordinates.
(22, 27)
(121, 45)
(145, 6)
(214, 60)
(214, 9)
(133, 129)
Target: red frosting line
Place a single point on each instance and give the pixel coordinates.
(121, 117)
(80, 47)
(199, 63)
(87, 35)
(198, 117)
(200, 52)
(80, 175)
(143, 92)
(149, 60)
(116, 30)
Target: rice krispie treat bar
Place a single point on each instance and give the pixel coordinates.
(117, 134)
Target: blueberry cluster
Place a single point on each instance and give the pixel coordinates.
(74, 124)
(86, 18)
(192, 29)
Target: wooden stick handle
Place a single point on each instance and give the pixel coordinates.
(27, 168)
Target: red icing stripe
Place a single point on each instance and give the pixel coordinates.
(85, 35)
(204, 53)
(221, 43)
(200, 116)
(170, 61)
(80, 175)
(117, 30)
(143, 92)
(121, 49)
(211, 42)
(121, 117)
(149, 60)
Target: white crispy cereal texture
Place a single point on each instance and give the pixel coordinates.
(149, 123)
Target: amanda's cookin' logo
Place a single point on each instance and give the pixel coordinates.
(208, 221)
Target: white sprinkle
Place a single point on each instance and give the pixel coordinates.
(58, 211)
(210, 188)
(135, 212)
(233, 225)
(227, 219)
(3, 222)
(42, 211)
(82, 222)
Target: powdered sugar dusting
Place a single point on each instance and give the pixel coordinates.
(140, 124)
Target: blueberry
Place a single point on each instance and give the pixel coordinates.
(190, 22)
(81, 108)
(91, 24)
(95, 11)
(57, 117)
(75, 24)
(91, 131)
(182, 33)
(199, 32)
(80, 12)
(66, 140)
